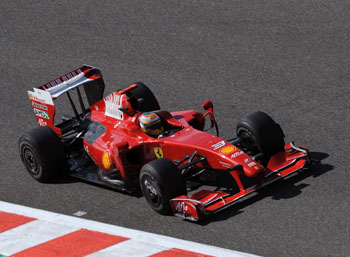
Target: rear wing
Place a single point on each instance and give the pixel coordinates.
(42, 97)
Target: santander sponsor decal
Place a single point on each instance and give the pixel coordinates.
(218, 145)
(41, 96)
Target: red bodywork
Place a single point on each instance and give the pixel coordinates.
(124, 136)
(124, 147)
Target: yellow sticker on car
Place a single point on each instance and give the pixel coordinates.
(106, 161)
(158, 152)
(227, 149)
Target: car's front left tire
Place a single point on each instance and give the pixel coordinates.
(161, 181)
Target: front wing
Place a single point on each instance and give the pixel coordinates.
(206, 202)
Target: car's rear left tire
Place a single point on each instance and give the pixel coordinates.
(42, 153)
(161, 181)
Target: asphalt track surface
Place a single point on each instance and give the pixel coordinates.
(290, 59)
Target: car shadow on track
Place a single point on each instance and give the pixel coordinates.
(284, 189)
(66, 179)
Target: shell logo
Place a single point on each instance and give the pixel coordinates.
(106, 161)
(227, 149)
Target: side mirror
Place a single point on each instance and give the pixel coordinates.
(207, 105)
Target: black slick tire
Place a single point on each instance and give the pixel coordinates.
(260, 133)
(150, 102)
(161, 181)
(42, 153)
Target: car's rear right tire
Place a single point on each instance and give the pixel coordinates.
(149, 102)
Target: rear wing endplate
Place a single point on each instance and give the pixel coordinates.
(42, 97)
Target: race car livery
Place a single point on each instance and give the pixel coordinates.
(181, 169)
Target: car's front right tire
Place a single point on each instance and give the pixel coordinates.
(260, 133)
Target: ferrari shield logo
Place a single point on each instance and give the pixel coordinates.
(158, 151)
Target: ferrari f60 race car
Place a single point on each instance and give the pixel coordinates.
(104, 144)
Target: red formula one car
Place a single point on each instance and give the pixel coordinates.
(182, 170)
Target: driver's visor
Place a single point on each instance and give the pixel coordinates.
(151, 126)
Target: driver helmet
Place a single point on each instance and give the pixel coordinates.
(150, 123)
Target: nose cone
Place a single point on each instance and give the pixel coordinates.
(236, 156)
(252, 168)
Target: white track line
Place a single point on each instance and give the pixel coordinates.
(138, 238)
(129, 248)
(31, 234)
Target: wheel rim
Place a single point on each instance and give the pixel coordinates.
(30, 161)
(151, 191)
(247, 140)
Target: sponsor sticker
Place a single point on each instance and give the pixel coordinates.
(218, 145)
(64, 80)
(41, 113)
(227, 149)
(106, 160)
(42, 123)
(225, 164)
(256, 167)
(40, 96)
(234, 155)
(247, 160)
(251, 164)
(181, 207)
(34, 97)
(158, 152)
(40, 106)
